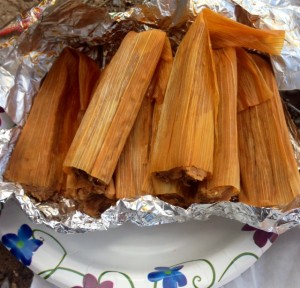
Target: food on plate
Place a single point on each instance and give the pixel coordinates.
(132, 174)
(181, 151)
(36, 161)
(225, 180)
(204, 126)
(115, 104)
(269, 173)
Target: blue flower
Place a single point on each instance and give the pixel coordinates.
(21, 246)
(171, 277)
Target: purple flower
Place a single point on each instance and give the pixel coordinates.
(21, 246)
(90, 281)
(260, 237)
(171, 277)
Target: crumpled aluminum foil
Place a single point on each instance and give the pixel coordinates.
(26, 57)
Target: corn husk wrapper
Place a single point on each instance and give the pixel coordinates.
(132, 175)
(114, 107)
(225, 32)
(251, 82)
(268, 166)
(132, 166)
(37, 159)
(161, 76)
(190, 101)
(225, 181)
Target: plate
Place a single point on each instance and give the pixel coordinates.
(191, 254)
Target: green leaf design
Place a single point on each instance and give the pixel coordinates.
(65, 269)
(196, 278)
(51, 271)
(123, 274)
(195, 281)
(235, 259)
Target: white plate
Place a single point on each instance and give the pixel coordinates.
(209, 253)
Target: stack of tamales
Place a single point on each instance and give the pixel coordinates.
(203, 127)
(198, 143)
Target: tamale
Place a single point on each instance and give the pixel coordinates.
(278, 112)
(132, 166)
(225, 32)
(269, 174)
(184, 141)
(113, 109)
(162, 75)
(226, 175)
(36, 162)
(132, 173)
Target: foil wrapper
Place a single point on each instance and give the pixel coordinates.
(30, 44)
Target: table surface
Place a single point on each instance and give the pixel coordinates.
(278, 267)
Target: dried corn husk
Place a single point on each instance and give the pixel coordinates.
(225, 32)
(132, 166)
(269, 172)
(162, 76)
(251, 82)
(132, 172)
(114, 107)
(225, 181)
(184, 141)
(37, 159)
(278, 111)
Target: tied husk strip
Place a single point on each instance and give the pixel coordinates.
(225, 181)
(268, 176)
(110, 116)
(188, 111)
(225, 32)
(251, 82)
(37, 159)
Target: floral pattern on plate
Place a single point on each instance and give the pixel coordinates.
(195, 254)
(24, 244)
(90, 281)
(260, 237)
(171, 276)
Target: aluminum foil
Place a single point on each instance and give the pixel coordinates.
(30, 44)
